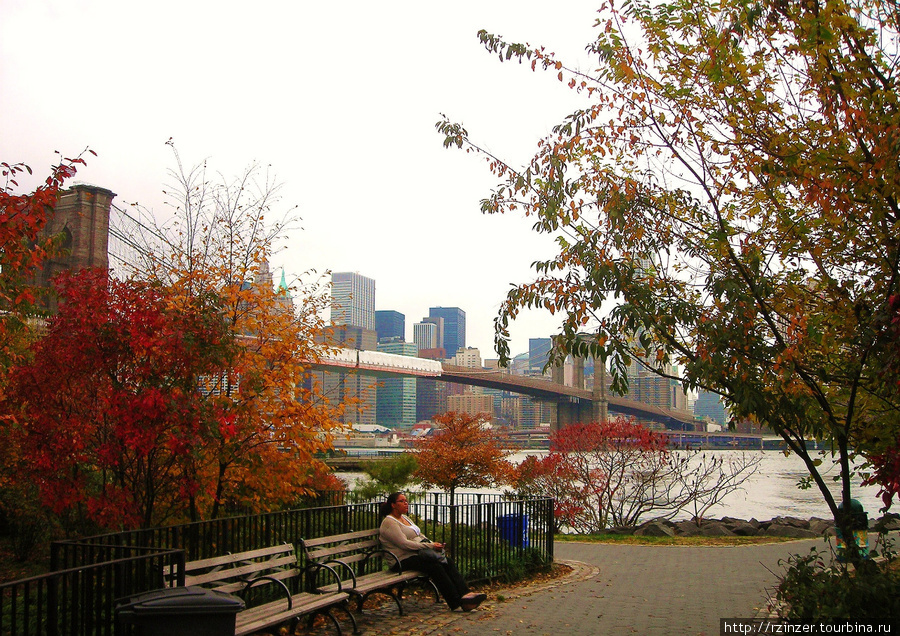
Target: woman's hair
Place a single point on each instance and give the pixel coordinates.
(387, 506)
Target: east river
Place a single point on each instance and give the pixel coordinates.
(771, 492)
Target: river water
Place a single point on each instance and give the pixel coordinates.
(771, 492)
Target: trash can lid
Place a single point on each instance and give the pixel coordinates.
(855, 506)
(176, 601)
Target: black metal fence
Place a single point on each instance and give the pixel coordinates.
(81, 600)
(489, 536)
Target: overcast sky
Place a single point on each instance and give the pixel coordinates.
(339, 98)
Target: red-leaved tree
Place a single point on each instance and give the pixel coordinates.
(22, 218)
(612, 473)
(109, 412)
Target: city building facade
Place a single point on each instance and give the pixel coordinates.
(353, 300)
(396, 398)
(390, 324)
(454, 332)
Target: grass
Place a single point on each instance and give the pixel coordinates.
(626, 539)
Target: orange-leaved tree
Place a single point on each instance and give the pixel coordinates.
(273, 417)
(463, 452)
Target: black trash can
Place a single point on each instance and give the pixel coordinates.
(181, 611)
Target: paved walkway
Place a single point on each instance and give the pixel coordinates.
(616, 589)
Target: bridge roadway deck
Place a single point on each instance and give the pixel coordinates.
(380, 364)
(619, 589)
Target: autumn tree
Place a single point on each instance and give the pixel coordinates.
(219, 240)
(107, 411)
(725, 201)
(23, 248)
(461, 453)
(613, 473)
(22, 219)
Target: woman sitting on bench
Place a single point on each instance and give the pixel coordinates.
(402, 537)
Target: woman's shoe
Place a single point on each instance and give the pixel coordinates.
(471, 602)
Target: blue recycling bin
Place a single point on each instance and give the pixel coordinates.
(514, 529)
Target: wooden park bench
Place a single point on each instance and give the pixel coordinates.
(274, 567)
(363, 566)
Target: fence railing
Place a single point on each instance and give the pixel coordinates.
(81, 600)
(489, 537)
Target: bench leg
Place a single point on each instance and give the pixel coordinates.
(326, 612)
(361, 598)
(350, 615)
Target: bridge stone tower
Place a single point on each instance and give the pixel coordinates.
(81, 217)
(571, 410)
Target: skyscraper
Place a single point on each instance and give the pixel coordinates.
(353, 315)
(353, 300)
(390, 324)
(425, 335)
(454, 327)
(397, 395)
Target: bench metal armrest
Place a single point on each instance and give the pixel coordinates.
(385, 552)
(341, 564)
(313, 568)
(270, 579)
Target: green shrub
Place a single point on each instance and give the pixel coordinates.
(814, 587)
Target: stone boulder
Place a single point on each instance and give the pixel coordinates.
(655, 528)
(786, 530)
(715, 529)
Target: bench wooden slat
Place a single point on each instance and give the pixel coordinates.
(264, 616)
(322, 553)
(228, 559)
(351, 549)
(334, 538)
(241, 571)
(236, 572)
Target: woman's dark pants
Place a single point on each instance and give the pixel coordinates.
(450, 583)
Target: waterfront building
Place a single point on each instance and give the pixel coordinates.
(390, 324)
(431, 395)
(709, 405)
(468, 357)
(352, 300)
(426, 335)
(353, 321)
(396, 398)
(454, 332)
(471, 403)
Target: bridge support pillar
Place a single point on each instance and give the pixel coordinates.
(599, 399)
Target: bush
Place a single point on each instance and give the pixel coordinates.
(816, 588)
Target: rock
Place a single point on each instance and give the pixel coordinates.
(621, 530)
(715, 529)
(890, 521)
(785, 530)
(792, 521)
(743, 528)
(820, 526)
(683, 527)
(655, 528)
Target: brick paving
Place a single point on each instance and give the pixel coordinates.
(612, 589)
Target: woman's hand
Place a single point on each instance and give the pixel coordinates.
(437, 546)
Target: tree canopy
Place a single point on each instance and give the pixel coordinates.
(725, 201)
(461, 453)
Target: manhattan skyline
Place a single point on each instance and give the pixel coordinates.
(338, 101)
